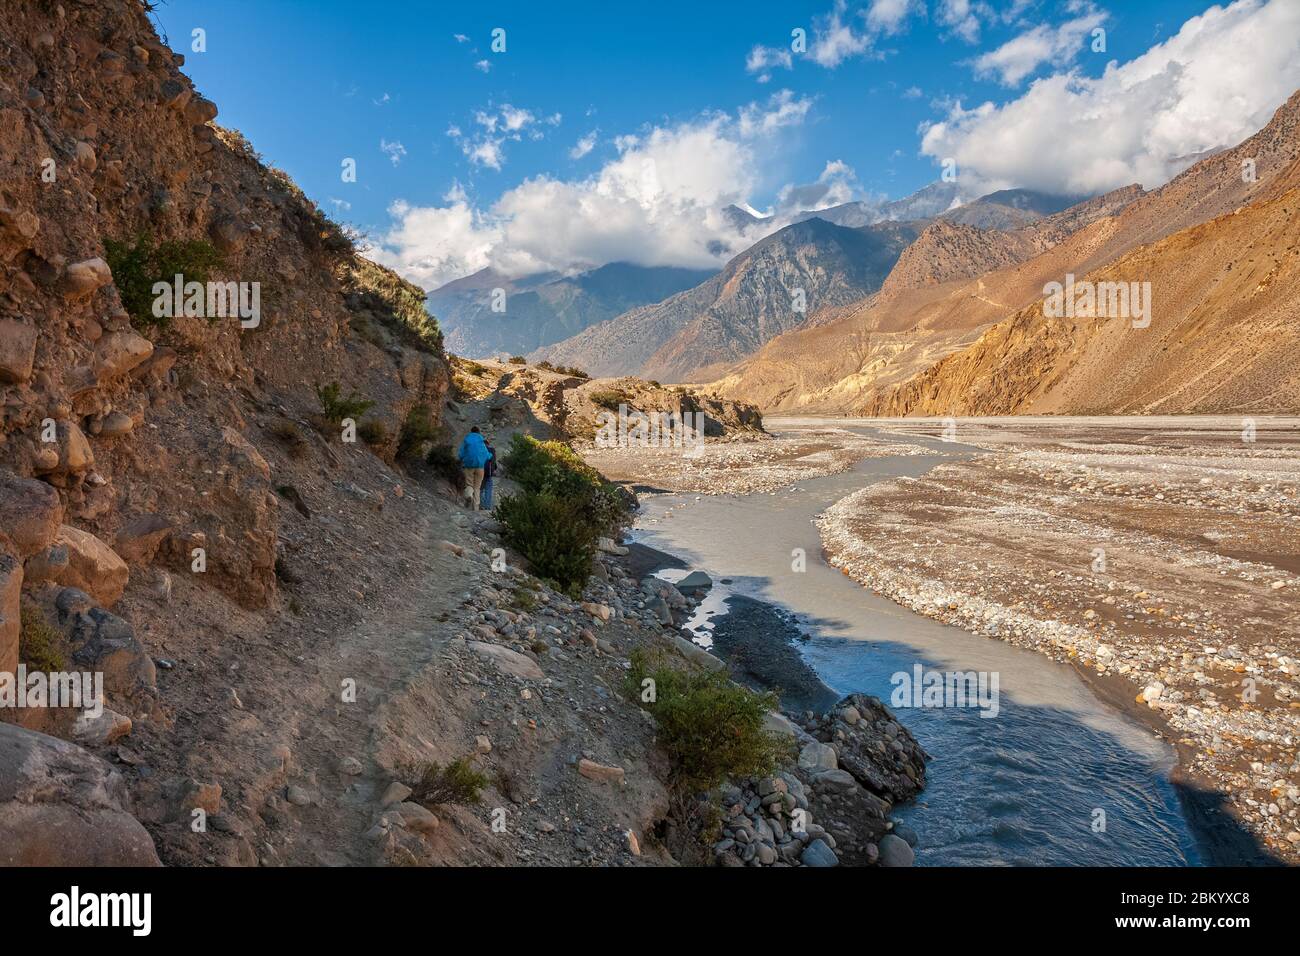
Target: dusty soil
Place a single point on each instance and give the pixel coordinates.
(1160, 553)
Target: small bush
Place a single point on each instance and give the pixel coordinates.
(137, 266)
(554, 468)
(553, 534)
(39, 645)
(373, 432)
(711, 728)
(546, 365)
(335, 408)
(442, 459)
(574, 371)
(456, 783)
(523, 599)
(518, 360)
(609, 399)
(473, 368)
(417, 430)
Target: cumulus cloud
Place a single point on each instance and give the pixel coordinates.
(763, 59)
(1024, 54)
(837, 184)
(660, 201)
(837, 36)
(962, 17)
(888, 16)
(835, 40)
(1214, 83)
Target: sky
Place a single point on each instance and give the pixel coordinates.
(561, 136)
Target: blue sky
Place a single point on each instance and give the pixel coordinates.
(486, 152)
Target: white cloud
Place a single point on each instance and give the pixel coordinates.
(583, 146)
(763, 59)
(962, 17)
(835, 41)
(1218, 80)
(483, 66)
(499, 125)
(888, 16)
(395, 151)
(658, 202)
(1023, 55)
(837, 184)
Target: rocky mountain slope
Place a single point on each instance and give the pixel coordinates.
(543, 309)
(848, 364)
(813, 264)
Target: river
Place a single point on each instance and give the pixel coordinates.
(1055, 778)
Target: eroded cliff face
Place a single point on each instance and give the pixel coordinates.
(140, 426)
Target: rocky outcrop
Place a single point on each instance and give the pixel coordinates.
(62, 806)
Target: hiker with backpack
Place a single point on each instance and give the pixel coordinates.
(473, 456)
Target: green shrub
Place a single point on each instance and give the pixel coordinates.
(39, 645)
(456, 783)
(373, 432)
(546, 365)
(574, 371)
(554, 468)
(518, 360)
(442, 459)
(711, 728)
(609, 399)
(552, 533)
(335, 408)
(473, 368)
(417, 430)
(137, 266)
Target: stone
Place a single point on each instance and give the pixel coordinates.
(839, 781)
(418, 818)
(17, 350)
(30, 513)
(817, 756)
(600, 773)
(299, 796)
(695, 581)
(482, 745)
(100, 729)
(610, 547)
(115, 425)
(139, 539)
(599, 611)
(45, 566)
(350, 766)
(818, 853)
(62, 806)
(75, 456)
(86, 157)
(11, 588)
(397, 792)
(118, 353)
(507, 661)
(633, 844)
(93, 566)
(894, 851)
(100, 641)
(696, 654)
(82, 279)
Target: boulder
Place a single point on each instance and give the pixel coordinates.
(818, 853)
(75, 456)
(11, 587)
(600, 773)
(30, 513)
(17, 350)
(99, 641)
(45, 566)
(816, 756)
(93, 566)
(63, 806)
(118, 353)
(115, 425)
(695, 581)
(139, 539)
(894, 851)
(508, 661)
(84, 278)
(696, 654)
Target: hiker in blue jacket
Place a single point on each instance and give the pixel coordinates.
(489, 472)
(474, 455)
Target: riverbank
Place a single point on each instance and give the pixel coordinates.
(1153, 558)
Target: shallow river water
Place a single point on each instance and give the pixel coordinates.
(1025, 787)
